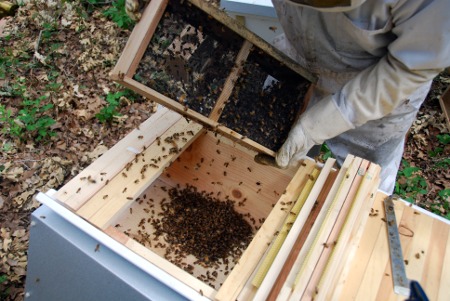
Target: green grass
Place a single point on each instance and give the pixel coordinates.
(108, 113)
(118, 15)
(31, 120)
(410, 182)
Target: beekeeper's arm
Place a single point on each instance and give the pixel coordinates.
(420, 52)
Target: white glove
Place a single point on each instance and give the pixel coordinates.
(317, 124)
(295, 147)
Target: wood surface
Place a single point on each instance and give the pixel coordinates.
(369, 271)
(162, 263)
(317, 241)
(282, 234)
(215, 164)
(350, 234)
(282, 255)
(237, 279)
(328, 247)
(280, 282)
(79, 190)
(111, 200)
(139, 39)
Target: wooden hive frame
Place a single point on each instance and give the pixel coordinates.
(140, 38)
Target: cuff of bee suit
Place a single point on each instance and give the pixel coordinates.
(324, 121)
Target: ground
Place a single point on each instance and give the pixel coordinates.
(59, 111)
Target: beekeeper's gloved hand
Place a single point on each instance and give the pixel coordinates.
(296, 146)
(317, 124)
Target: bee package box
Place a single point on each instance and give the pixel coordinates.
(193, 58)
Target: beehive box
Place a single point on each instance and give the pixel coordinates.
(192, 58)
(123, 191)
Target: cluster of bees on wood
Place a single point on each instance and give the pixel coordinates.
(179, 234)
(152, 230)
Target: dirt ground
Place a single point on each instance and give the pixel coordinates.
(61, 55)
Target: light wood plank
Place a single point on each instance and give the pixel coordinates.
(410, 246)
(79, 190)
(139, 39)
(335, 233)
(288, 285)
(444, 285)
(431, 277)
(281, 237)
(110, 201)
(378, 262)
(346, 229)
(315, 245)
(209, 123)
(343, 269)
(277, 265)
(252, 255)
(215, 164)
(231, 80)
(280, 282)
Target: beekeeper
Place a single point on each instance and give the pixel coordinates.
(375, 60)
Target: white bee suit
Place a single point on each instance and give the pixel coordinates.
(375, 64)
